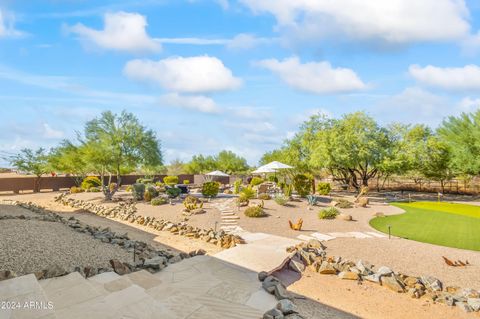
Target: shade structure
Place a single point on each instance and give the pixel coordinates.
(217, 173)
(262, 170)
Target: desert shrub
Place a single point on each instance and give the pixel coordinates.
(281, 200)
(129, 188)
(157, 201)
(160, 184)
(273, 178)
(328, 213)
(191, 203)
(170, 180)
(210, 189)
(147, 196)
(91, 181)
(248, 192)
(237, 186)
(94, 189)
(186, 181)
(254, 211)
(287, 190)
(113, 187)
(312, 200)
(256, 181)
(302, 184)
(75, 190)
(138, 191)
(324, 188)
(152, 190)
(264, 196)
(242, 200)
(343, 203)
(173, 192)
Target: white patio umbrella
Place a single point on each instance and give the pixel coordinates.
(217, 173)
(275, 166)
(262, 170)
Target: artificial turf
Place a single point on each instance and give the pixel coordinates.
(445, 224)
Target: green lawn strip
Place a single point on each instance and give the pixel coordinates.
(434, 227)
(453, 208)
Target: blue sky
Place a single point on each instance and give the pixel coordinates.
(238, 75)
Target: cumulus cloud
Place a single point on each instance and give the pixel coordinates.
(197, 74)
(469, 104)
(122, 31)
(314, 77)
(460, 78)
(191, 102)
(393, 21)
(7, 25)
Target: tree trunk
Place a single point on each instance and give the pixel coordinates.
(36, 184)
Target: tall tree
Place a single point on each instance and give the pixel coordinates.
(176, 167)
(231, 163)
(69, 159)
(200, 164)
(462, 135)
(435, 163)
(118, 144)
(32, 162)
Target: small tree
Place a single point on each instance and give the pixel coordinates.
(32, 162)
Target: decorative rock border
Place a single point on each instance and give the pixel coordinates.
(313, 254)
(146, 256)
(128, 212)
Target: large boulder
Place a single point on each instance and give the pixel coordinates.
(273, 314)
(286, 306)
(119, 267)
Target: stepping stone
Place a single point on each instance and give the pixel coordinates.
(305, 238)
(378, 235)
(321, 236)
(359, 235)
(230, 217)
(341, 235)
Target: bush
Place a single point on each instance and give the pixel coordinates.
(173, 192)
(328, 213)
(170, 180)
(264, 196)
(129, 188)
(302, 184)
(273, 178)
(343, 203)
(157, 201)
(242, 200)
(91, 181)
(237, 186)
(186, 181)
(160, 184)
(210, 189)
(152, 190)
(75, 190)
(324, 188)
(147, 196)
(256, 181)
(248, 192)
(254, 211)
(138, 191)
(281, 200)
(94, 190)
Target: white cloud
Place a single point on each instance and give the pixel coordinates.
(192, 75)
(461, 78)
(248, 112)
(49, 132)
(245, 41)
(7, 25)
(304, 116)
(469, 104)
(393, 21)
(191, 102)
(122, 31)
(314, 77)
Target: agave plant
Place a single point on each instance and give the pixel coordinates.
(312, 200)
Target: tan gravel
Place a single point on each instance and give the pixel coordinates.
(27, 246)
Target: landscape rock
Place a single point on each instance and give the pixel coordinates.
(262, 275)
(431, 283)
(474, 303)
(296, 265)
(157, 262)
(6, 274)
(281, 292)
(286, 307)
(464, 306)
(327, 269)
(392, 283)
(348, 275)
(119, 267)
(273, 314)
(345, 217)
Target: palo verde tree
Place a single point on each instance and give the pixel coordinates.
(226, 161)
(32, 162)
(69, 159)
(115, 144)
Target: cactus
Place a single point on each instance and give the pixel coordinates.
(192, 203)
(312, 200)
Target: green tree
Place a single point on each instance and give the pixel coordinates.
(352, 148)
(200, 164)
(462, 135)
(230, 163)
(69, 159)
(435, 163)
(118, 144)
(176, 167)
(32, 162)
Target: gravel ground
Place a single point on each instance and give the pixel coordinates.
(27, 246)
(8, 210)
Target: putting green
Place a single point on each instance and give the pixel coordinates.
(445, 224)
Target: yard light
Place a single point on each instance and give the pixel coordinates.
(216, 226)
(389, 231)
